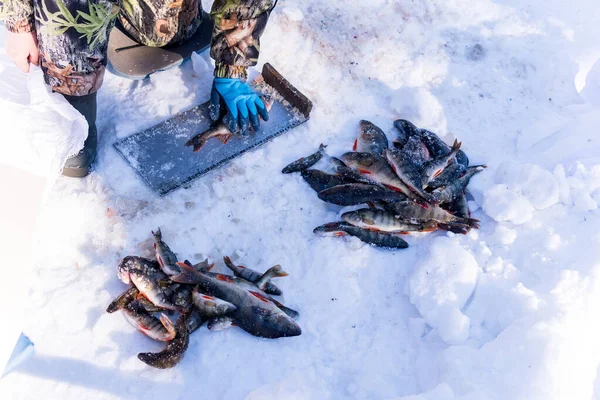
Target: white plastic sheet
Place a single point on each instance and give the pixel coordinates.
(39, 129)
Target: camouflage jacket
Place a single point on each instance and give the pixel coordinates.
(236, 36)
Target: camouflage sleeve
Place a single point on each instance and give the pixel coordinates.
(17, 15)
(236, 36)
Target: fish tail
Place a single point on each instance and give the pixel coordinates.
(456, 146)
(278, 271)
(455, 227)
(228, 263)
(471, 222)
(168, 324)
(199, 144)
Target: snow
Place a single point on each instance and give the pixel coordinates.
(506, 312)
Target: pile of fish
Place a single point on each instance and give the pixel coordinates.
(167, 286)
(416, 185)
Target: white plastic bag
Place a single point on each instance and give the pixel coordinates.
(39, 129)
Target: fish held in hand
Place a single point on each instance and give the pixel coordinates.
(371, 139)
(380, 239)
(358, 193)
(174, 350)
(305, 162)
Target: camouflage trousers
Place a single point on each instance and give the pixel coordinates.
(73, 35)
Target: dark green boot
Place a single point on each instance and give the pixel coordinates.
(80, 165)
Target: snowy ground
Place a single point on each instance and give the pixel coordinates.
(507, 312)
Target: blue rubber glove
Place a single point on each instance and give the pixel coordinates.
(243, 105)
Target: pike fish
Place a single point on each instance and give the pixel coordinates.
(376, 169)
(319, 180)
(381, 239)
(220, 130)
(358, 193)
(305, 162)
(165, 257)
(174, 350)
(371, 139)
(159, 329)
(251, 276)
(385, 221)
(448, 193)
(255, 313)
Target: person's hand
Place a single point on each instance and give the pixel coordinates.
(23, 49)
(243, 105)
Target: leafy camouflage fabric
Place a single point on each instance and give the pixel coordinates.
(73, 34)
(239, 25)
(157, 23)
(17, 15)
(73, 38)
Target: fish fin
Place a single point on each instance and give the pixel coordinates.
(168, 324)
(259, 296)
(188, 274)
(224, 138)
(354, 147)
(188, 263)
(339, 234)
(228, 262)
(456, 146)
(455, 228)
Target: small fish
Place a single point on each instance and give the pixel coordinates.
(159, 329)
(305, 162)
(256, 313)
(174, 350)
(381, 220)
(319, 180)
(251, 275)
(376, 169)
(123, 299)
(220, 323)
(345, 172)
(165, 257)
(209, 306)
(434, 167)
(371, 139)
(448, 193)
(415, 213)
(359, 193)
(273, 272)
(217, 130)
(407, 171)
(406, 129)
(148, 305)
(380, 239)
(447, 176)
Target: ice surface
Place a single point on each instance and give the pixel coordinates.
(528, 329)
